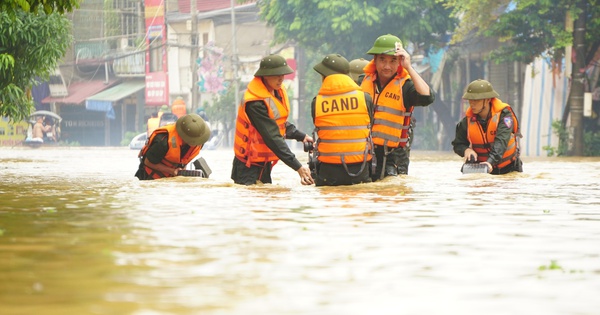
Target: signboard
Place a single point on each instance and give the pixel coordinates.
(57, 85)
(156, 89)
(157, 86)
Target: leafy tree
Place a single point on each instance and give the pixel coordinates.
(349, 27)
(33, 38)
(35, 6)
(223, 111)
(528, 28)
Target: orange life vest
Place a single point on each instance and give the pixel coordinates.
(173, 157)
(179, 110)
(392, 121)
(481, 142)
(249, 146)
(342, 122)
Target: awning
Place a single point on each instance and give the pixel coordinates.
(103, 101)
(79, 91)
(118, 92)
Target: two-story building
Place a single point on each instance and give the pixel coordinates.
(130, 57)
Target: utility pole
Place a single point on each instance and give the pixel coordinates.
(194, 55)
(234, 56)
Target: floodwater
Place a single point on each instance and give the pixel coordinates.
(80, 235)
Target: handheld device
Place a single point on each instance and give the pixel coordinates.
(398, 46)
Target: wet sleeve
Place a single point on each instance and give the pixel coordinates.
(269, 131)
(413, 98)
(503, 134)
(291, 132)
(461, 142)
(158, 149)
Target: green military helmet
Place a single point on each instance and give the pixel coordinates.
(273, 65)
(164, 109)
(192, 129)
(357, 68)
(333, 64)
(479, 90)
(385, 44)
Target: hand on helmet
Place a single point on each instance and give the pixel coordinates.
(404, 56)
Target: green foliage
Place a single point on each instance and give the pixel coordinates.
(563, 140)
(36, 6)
(350, 27)
(591, 143)
(224, 109)
(425, 137)
(552, 266)
(111, 20)
(129, 135)
(555, 266)
(528, 28)
(30, 46)
(70, 143)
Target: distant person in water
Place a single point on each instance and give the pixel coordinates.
(489, 132)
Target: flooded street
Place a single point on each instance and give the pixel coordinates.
(79, 234)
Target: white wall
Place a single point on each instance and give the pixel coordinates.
(544, 100)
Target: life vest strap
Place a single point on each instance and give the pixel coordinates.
(244, 123)
(388, 123)
(340, 154)
(321, 140)
(341, 128)
(241, 135)
(264, 154)
(481, 146)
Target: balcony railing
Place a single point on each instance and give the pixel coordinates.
(129, 63)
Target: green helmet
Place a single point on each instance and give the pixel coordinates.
(273, 65)
(192, 129)
(356, 68)
(479, 90)
(333, 64)
(385, 44)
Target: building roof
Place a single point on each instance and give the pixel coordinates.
(79, 91)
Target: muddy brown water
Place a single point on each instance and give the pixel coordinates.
(80, 235)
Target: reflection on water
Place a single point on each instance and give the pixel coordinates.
(80, 235)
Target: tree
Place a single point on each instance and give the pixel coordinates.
(35, 6)
(528, 28)
(33, 38)
(349, 27)
(532, 28)
(223, 111)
